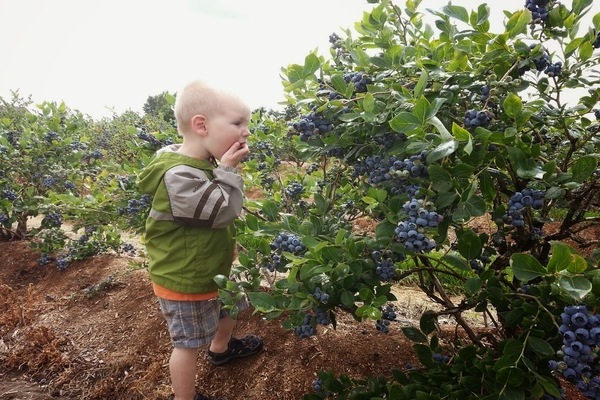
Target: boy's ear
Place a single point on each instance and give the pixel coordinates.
(199, 124)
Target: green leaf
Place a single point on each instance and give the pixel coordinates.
(488, 188)
(421, 84)
(457, 12)
(511, 349)
(385, 229)
(421, 109)
(341, 235)
(580, 5)
(405, 122)
(512, 105)
(369, 200)
(435, 121)
(549, 386)
(271, 210)
(526, 167)
(554, 192)
(525, 267)
(577, 287)
(424, 354)
(469, 244)
(414, 334)
(515, 317)
(445, 199)
(540, 346)
(347, 298)
(586, 50)
(294, 73)
(368, 103)
(512, 393)
(455, 262)
(442, 150)
(460, 133)
(262, 302)
(475, 205)
(511, 376)
(428, 322)
(438, 173)
(561, 257)
(578, 265)
(518, 22)
(311, 65)
(349, 117)
(473, 286)
(434, 107)
(583, 168)
(251, 222)
(572, 46)
(483, 14)
(338, 83)
(221, 280)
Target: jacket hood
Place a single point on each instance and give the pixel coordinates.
(165, 158)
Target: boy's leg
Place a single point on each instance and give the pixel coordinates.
(221, 339)
(182, 366)
(224, 346)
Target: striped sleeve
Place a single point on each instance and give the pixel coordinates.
(198, 201)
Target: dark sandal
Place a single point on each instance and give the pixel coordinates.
(242, 347)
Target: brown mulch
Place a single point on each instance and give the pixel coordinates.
(58, 342)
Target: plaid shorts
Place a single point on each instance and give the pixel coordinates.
(193, 324)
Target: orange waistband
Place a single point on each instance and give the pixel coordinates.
(167, 294)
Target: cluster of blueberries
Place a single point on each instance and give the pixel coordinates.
(335, 40)
(410, 232)
(581, 339)
(477, 264)
(52, 220)
(312, 124)
(539, 10)
(8, 194)
(388, 314)
(388, 139)
(359, 79)
(136, 206)
(152, 140)
(543, 63)
(306, 328)
(475, 118)
(381, 170)
(294, 190)
(384, 264)
(320, 296)
(485, 93)
(288, 242)
(519, 202)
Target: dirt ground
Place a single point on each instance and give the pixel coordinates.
(61, 339)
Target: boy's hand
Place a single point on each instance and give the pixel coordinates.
(235, 154)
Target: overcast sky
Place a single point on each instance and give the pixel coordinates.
(99, 56)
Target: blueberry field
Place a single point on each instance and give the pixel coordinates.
(446, 159)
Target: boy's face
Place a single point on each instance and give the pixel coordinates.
(227, 126)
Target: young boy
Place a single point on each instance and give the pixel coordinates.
(189, 231)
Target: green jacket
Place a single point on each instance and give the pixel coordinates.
(189, 231)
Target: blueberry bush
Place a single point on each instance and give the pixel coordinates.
(75, 175)
(422, 129)
(413, 130)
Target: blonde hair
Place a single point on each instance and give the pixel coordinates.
(195, 98)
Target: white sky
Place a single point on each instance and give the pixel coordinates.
(97, 56)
